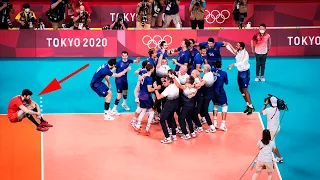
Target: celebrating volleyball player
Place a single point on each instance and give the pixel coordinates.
(122, 82)
(171, 93)
(102, 89)
(187, 102)
(213, 50)
(243, 66)
(199, 59)
(208, 95)
(140, 72)
(145, 98)
(22, 106)
(220, 97)
(193, 52)
(184, 54)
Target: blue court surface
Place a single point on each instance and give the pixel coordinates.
(294, 79)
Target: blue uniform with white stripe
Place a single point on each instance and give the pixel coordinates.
(213, 54)
(96, 83)
(145, 97)
(220, 93)
(198, 59)
(122, 82)
(183, 58)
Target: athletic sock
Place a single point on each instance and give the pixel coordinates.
(125, 99)
(31, 118)
(151, 116)
(141, 115)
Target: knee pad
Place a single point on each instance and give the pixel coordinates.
(138, 110)
(225, 109)
(215, 107)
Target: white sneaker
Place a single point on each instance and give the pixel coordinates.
(194, 134)
(186, 137)
(174, 137)
(166, 141)
(215, 124)
(262, 79)
(125, 106)
(223, 127)
(257, 79)
(210, 130)
(203, 120)
(107, 117)
(115, 112)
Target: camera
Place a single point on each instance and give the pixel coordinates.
(281, 104)
(84, 14)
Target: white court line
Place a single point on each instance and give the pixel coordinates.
(42, 157)
(277, 168)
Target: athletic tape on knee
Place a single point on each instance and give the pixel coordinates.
(138, 110)
(225, 109)
(215, 107)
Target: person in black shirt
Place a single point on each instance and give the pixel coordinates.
(120, 23)
(172, 13)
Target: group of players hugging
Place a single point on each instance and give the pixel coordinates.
(163, 92)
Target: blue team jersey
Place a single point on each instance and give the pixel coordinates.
(152, 61)
(193, 54)
(222, 78)
(142, 72)
(101, 73)
(165, 55)
(198, 59)
(213, 54)
(183, 58)
(144, 94)
(121, 66)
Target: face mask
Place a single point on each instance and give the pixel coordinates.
(262, 31)
(27, 10)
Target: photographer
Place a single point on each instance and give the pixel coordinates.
(119, 24)
(172, 13)
(273, 119)
(5, 9)
(82, 20)
(157, 12)
(26, 18)
(144, 15)
(74, 11)
(197, 13)
(240, 12)
(57, 12)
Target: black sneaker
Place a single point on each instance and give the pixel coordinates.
(247, 110)
(250, 111)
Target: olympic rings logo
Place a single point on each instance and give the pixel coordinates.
(217, 16)
(154, 42)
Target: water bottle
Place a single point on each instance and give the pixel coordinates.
(248, 25)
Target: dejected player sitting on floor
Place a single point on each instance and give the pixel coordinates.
(101, 88)
(22, 106)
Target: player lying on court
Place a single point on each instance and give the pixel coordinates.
(22, 106)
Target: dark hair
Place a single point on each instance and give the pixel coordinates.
(112, 62)
(218, 64)
(144, 63)
(168, 78)
(266, 137)
(162, 43)
(25, 6)
(187, 43)
(202, 47)
(149, 67)
(172, 72)
(191, 79)
(192, 40)
(26, 92)
(211, 40)
(151, 51)
(263, 25)
(124, 52)
(242, 44)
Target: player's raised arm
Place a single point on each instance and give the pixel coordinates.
(121, 73)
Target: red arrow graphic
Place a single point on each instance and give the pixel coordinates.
(55, 84)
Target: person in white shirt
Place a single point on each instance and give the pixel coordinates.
(182, 74)
(208, 94)
(243, 66)
(265, 156)
(171, 93)
(273, 120)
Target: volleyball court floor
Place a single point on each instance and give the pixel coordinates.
(81, 145)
